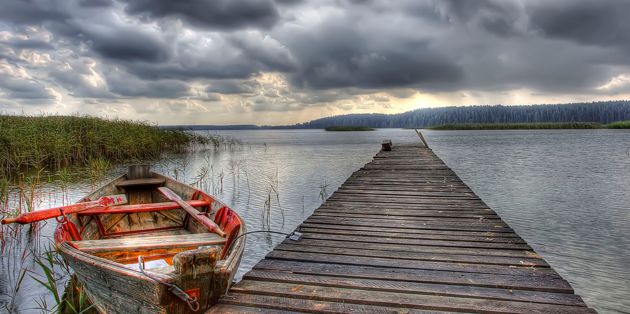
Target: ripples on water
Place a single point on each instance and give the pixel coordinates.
(564, 191)
(567, 192)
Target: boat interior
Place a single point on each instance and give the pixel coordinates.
(150, 225)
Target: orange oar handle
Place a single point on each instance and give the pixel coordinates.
(194, 213)
(44, 214)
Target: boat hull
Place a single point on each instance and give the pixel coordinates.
(116, 287)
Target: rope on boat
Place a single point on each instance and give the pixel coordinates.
(192, 302)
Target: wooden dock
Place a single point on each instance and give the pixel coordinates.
(403, 234)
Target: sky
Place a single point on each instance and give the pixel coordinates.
(280, 62)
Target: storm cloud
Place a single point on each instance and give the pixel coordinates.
(237, 56)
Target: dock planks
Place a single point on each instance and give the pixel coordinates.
(403, 234)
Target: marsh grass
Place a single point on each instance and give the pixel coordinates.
(273, 193)
(619, 125)
(323, 192)
(54, 142)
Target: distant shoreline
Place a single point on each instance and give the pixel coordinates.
(445, 127)
(348, 128)
(531, 126)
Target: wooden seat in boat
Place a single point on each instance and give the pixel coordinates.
(140, 182)
(149, 242)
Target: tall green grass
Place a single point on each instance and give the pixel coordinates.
(619, 125)
(53, 142)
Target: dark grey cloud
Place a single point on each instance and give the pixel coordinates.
(33, 12)
(151, 89)
(604, 22)
(497, 17)
(23, 89)
(128, 45)
(346, 51)
(222, 14)
(325, 51)
(234, 56)
(33, 44)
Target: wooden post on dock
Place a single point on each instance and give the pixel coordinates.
(386, 145)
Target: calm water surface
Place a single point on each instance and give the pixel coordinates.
(565, 191)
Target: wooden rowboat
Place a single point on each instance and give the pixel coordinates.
(157, 253)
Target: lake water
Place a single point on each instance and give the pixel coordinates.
(567, 192)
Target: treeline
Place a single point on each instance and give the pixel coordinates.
(598, 112)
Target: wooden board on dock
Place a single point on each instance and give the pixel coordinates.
(403, 234)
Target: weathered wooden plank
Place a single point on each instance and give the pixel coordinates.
(384, 193)
(415, 287)
(433, 217)
(408, 190)
(454, 258)
(294, 305)
(513, 282)
(393, 299)
(420, 241)
(410, 232)
(416, 206)
(412, 225)
(225, 308)
(388, 212)
(421, 248)
(376, 188)
(406, 200)
(411, 264)
(442, 237)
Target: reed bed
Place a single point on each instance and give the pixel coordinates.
(619, 125)
(53, 142)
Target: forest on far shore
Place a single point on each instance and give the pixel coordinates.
(603, 112)
(598, 112)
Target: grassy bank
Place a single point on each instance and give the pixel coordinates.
(35, 142)
(618, 125)
(529, 126)
(348, 128)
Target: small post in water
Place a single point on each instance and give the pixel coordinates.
(424, 141)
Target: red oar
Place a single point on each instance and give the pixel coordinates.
(194, 213)
(66, 210)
